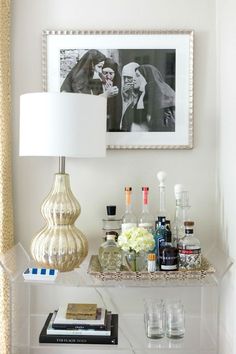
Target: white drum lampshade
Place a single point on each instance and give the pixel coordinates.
(62, 125)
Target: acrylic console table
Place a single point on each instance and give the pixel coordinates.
(31, 301)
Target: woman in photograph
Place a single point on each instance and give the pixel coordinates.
(158, 101)
(154, 109)
(112, 88)
(85, 76)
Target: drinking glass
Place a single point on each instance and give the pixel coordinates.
(175, 319)
(154, 318)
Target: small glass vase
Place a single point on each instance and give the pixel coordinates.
(136, 261)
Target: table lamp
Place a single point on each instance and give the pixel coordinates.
(62, 125)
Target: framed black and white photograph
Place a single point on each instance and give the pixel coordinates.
(147, 78)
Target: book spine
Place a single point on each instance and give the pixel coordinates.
(78, 340)
(78, 327)
(78, 332)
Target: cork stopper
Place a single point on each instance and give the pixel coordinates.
(111, 210)
(189, 223)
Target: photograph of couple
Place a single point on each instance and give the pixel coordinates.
(139, 85)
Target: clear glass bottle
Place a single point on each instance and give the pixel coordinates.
(129, 219)
(168, 257)
(181, 213)
(161, 176)
(109, 255)
(189, 249)
(146, 219)
(111, 222)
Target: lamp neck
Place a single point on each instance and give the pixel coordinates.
(62, 164)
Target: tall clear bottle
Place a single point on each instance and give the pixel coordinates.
(146, 219)
(181, 213)
(161, 176)
(129, 219)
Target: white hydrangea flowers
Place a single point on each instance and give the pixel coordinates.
(136, 239)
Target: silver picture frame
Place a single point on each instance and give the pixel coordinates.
(168, 53)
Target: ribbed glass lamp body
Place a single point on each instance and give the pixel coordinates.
(60, 244)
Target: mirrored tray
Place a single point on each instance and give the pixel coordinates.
(96, 270)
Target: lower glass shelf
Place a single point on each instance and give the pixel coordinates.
(132, 339)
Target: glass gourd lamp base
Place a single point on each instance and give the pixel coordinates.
(60, 244)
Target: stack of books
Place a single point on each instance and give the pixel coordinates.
(80, 323)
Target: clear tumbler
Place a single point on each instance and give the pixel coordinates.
(154, 318)
(175, 319)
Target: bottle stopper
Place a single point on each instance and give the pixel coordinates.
(178, 188)
(161, 176)
(111, 210)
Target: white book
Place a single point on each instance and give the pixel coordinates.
(76, 332)
(61, 318)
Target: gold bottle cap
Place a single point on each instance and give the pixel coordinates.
(151, 257)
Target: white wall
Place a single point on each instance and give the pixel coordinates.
(99, 182)
(226, 25)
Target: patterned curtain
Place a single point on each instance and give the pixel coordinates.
(6, 222)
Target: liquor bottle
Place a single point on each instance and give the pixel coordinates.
(159, 235)
(181, 213)
(178, 189)
(168, 258)
(111, 223)
(189, 249)
(146, 219)
(110, 255)
(167, 225)
(161, 176)
(129, 219)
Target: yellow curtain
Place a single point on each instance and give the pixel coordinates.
(6, 223)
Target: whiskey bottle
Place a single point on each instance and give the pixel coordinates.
(168, 257)
(189, 249)
(129, 219)
(146, 219)
(110, 255)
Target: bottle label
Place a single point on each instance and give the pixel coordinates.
(169, 267)
(188, 231)
(190, 258)
(151, 266)
(160, 243)
(127, 226)
(192, 251)
(168, 258)
(127, 197)
(145, 197)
